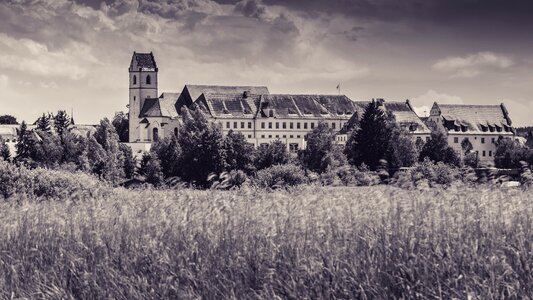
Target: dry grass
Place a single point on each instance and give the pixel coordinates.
(373, 242)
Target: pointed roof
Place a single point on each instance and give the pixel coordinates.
(475, 118)
(195, 91)
(141, 61)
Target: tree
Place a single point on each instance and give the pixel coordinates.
(402, 151)
(466, 145)
(151, 169)
(121, 124)
(107, 137)
(370, 143)
(48, 151)
(318, 155)
(129, 161)
(509, 153)
(169, 153)
(529, 138)
(202, 145)
(25, 143)
(61, 122)
(239, 153)
(43, 123)
(8, 120)
(5, 154)
(438, 150)
(272, 154)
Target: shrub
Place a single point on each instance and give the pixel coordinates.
(438, 150)
(280, 176)
(272, 154)
(471, 159)
(427, 172)
(47, 184)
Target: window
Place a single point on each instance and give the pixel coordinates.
(228, 124)
(493, 140)
(277, 136)
(305, 125)
(291, 136)
(456, 140)
(298, 136)
(277, 125)
(284, 136)
(242, 124)
(427, 138)
(291, 125)
(148, 79)
(483, 140)
(484, 154)
(490, 153)
(176, 131)
(134, 79)
(249, 125)
(298, 125)
(284, 125)
(270, 125)
(293, 147)
(269, 136)
(262, 136)
(134, 98)
(234, 124)
(263, 125)
(333, 125)
(155, 134)
(312, 125)
(249, 136)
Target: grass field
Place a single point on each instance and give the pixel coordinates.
(366, 242)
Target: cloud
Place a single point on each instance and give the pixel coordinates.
(472, 65)
(253, 9)
(422, 104)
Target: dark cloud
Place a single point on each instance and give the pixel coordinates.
(252, 9)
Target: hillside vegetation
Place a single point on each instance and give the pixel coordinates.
(311, 242)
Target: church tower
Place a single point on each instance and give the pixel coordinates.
(143, 84)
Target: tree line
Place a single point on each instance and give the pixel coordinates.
(376, 143)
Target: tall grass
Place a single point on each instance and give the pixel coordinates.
(365, 242)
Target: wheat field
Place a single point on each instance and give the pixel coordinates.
(308, 243)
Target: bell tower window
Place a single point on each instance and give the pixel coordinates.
(148, 79)
(134, 79)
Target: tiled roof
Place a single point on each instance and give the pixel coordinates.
(150, 108)
(196, 90)
(142, 60)
(231, 105)
(476, 118)
(321, 106)
(404, 115)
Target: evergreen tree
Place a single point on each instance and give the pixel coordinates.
(5, 154)
(61, 122)
(25, 144)
(169, 153)
(370, 143)
(319, 154)
(273, 154)
(239, 153)
(121, 124)
(202, 147)
(438, 150)
(43, 123)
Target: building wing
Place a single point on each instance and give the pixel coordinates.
(475, 118)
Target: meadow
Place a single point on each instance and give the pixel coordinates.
(311, 242)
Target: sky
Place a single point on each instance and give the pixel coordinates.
(74, 55)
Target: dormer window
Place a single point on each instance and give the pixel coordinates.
(134, 79)
(148, 79)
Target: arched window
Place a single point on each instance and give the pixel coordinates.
(176, 131)
(155, 134)
(148, 79)
(134, 79)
